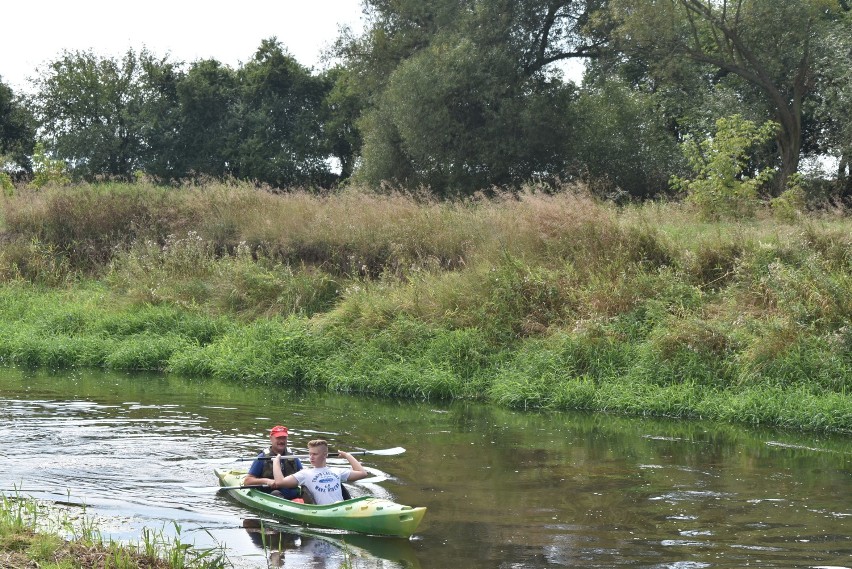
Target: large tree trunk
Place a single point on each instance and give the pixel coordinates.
(789, 144)
(844, 177)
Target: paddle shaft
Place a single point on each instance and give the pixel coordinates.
(243, 487)
(382, 452)
(294, 456)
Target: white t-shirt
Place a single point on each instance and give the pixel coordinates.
(324, 483)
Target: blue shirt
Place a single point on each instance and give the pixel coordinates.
(256, 470)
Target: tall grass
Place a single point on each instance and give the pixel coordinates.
(531, 300)
(31, 535)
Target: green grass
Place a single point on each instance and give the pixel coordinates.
(530, 301)
(32, 535)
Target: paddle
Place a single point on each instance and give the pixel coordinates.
(243, 487)
(205, 489)
(378, 476)
(380, 452)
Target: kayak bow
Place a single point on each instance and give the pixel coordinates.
(364, 515)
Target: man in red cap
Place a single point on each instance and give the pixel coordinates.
(260, 471)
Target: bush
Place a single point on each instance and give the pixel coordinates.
(720, 187)
(48, 171)
(6, 184)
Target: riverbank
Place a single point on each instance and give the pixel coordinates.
(540, 302)
(30, 536)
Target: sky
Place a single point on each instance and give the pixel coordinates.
(38, 31)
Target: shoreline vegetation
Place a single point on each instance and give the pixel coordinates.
(533, 300)
(37, 535)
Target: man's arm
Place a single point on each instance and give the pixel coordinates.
(253, 476)
(358, 471)
(281, 481)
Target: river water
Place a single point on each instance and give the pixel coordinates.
(503, 489)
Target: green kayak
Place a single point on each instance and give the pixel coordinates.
(364, 515)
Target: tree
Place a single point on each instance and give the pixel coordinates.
(17, 132)
(164, 152)
(281, 138)
(768, 44)
(340, 110)
(112, 118)
(461, 96)
(207, 124)
(622, 144)
(87, 107)
(828, 115)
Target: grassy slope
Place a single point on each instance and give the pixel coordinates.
(553, 302)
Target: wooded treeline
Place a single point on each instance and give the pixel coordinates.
(461, 96)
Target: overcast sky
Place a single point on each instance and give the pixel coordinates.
(37, 31)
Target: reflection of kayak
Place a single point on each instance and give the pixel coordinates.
(289, 540)
(365, 514)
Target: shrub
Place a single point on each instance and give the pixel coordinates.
(720, 188)
(48, 171)
(792, 201)
(6, 184)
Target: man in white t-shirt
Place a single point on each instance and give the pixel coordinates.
(326, 484)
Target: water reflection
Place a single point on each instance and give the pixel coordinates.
(503, 489)
(298, 546)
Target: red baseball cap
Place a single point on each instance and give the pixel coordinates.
(278, 431)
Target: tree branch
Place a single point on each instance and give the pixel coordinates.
(545, 31)
(544, 36)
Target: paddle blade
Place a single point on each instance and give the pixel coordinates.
(202, 489)
(387, 451)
